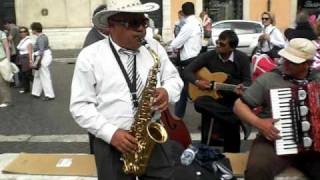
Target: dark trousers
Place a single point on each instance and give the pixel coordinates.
(264, 164)
(180, 106)
(222, 114)
(91, 142)
(26, 78)
(162, 165)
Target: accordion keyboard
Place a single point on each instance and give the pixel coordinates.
(281, 103)
(297, 114)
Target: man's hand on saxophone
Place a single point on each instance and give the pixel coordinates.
(123, 141)
(161, 100)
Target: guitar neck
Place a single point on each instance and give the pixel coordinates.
(224, 87)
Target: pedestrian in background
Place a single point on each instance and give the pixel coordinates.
(305, 30)
(42, 78)
(5, 95)
(24, 59)
(13, 39)
(95, 34)
(149, 29)
(189, 42)
(271, 40)
(150, 21)
(317, 28)
(178, 25)
(206, 23)
(312, 18)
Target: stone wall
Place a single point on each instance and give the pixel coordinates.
(56, 13)
(67, 22)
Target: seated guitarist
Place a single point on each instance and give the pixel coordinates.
(236, 65)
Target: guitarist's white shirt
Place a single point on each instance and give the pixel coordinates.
(230, 58)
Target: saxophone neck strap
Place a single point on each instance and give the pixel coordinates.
(132, 85)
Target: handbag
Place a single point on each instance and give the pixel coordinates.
(273, 53)
(36, 64)
(6, 70)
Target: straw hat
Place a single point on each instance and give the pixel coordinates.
(116, 6)
(299, 50)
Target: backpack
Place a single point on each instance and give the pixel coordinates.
(260, 64)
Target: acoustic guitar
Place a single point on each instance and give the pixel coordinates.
(217, 78)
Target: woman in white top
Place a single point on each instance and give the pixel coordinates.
(25, 59)
(271, 40)
(5, 95)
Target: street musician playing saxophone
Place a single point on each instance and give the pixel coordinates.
(113, 81)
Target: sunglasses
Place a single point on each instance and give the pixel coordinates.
(265, 19)
(22, 31)
(220, 43)
(132, 23)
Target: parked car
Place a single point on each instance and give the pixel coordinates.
(248, 33)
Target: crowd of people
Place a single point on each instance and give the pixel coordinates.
(24, 64)
(112, 75)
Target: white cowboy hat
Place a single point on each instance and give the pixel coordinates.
(299, 50)
(115, 6)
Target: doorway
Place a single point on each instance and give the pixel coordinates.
(7, 10)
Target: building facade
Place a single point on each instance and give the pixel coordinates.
(67, 22)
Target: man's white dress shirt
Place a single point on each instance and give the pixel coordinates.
(100, 97)
(189, 38)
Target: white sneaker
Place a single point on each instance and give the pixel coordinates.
(21, 91)
(3, 105)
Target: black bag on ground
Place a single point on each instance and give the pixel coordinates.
(211, 164)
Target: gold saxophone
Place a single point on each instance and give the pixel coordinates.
(146, 132)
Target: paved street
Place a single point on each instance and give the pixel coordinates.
(34, 125)
(29, 117)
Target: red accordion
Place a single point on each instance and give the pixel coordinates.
(298, 112)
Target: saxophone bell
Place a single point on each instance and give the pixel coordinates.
(157, 132)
